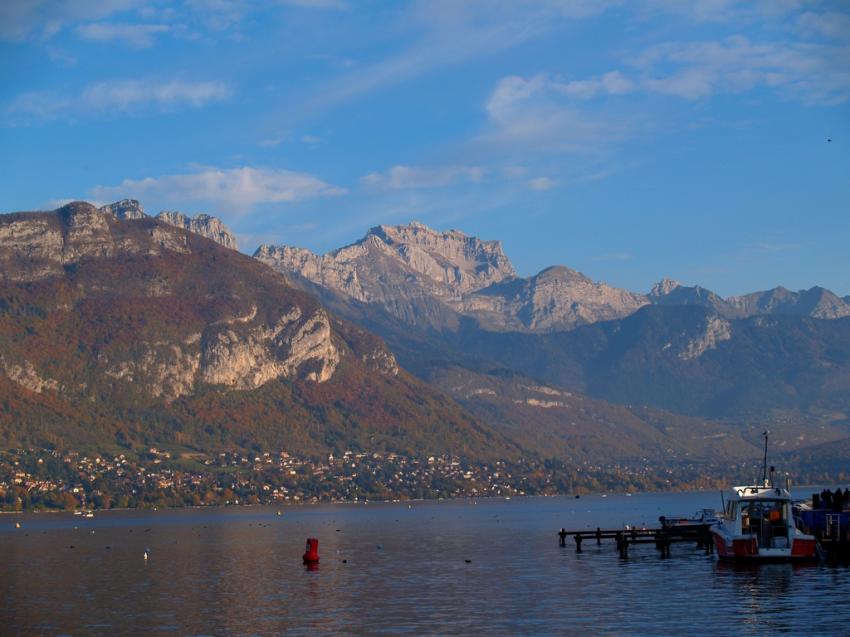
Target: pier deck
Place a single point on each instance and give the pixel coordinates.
(662, 538)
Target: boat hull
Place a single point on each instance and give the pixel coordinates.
(747, 550)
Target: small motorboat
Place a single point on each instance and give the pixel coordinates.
(702, 517)
(758, 525)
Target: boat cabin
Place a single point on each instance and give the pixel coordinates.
(763, 513)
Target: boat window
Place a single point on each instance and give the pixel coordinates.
(768, 511)
(731, 511)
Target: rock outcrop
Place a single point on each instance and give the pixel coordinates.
(34, 246)
(125, 209)
(716, 330)
(204, 225)
(210, 227)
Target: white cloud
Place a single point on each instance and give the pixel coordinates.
(829, 24)
(447, 33)
(113, 96)
(537, 115)
(138, 36)
(127, 94)
(233, 189)
(311, 141)
(726, 11)
(612, 83)
(542, 183)
(22, 19)
(813, 73)
(271, 142)
(411, 177)
(511, 91)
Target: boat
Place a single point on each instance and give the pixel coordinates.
(703, 517)
(757, 525)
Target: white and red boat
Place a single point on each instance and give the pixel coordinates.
(757, 526)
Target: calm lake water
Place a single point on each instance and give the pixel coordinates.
(238, 571)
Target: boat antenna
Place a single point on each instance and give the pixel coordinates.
(764, 467)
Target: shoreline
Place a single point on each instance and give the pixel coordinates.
(488, 498)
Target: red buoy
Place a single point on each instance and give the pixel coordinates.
(311, 553)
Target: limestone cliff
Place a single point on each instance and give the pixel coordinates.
(210, 227)
(204, 225)
(125, 209)
(171, 328)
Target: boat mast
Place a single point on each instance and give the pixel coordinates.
(764, 467)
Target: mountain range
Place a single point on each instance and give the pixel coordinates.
(445, 302)
(124, 329)
(430, 278)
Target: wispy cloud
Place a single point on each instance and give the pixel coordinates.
(725, 11)
(445, 33)
(538, 114)
(812, 73)
(234, 189)
(23, 19)
(611, 83)
(544, 114)
(542, 183)
(137, 36)
(828, 24)
(417, 177)
(115, 96)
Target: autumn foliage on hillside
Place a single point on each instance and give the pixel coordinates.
(63, 336)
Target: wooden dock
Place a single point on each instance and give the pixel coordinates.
(662, 538)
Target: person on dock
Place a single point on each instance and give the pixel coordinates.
(837, 500)
(562, 537)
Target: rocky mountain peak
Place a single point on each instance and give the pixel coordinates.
(210, 227)
(559, 273)
(125, 209)
(816, 302)
(664, 287)
(202, 224)
(451, 257)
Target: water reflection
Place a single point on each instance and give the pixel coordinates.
(439, 568)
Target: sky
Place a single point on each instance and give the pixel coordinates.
(706, 140)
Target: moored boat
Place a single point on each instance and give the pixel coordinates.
(703, 517)
(758, 525)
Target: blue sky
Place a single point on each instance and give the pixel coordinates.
(629, 140)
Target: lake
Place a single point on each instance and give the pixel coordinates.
(396, 569)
